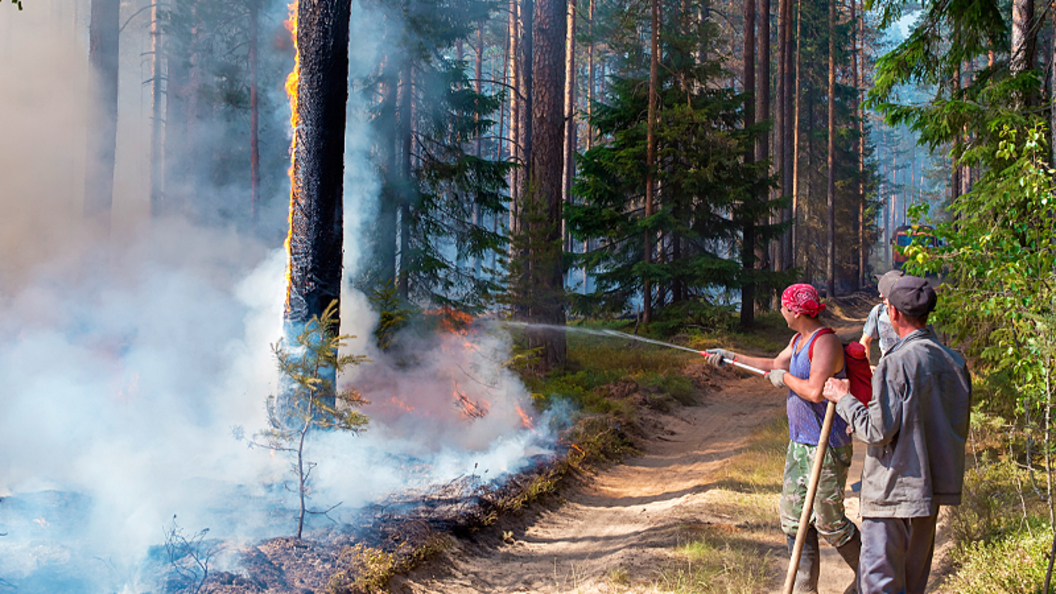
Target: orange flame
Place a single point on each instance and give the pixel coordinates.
(452, 320)
(291, 91)
(402, 405)
(470, 409)
(526, 420)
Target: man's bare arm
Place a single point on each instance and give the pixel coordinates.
(826, 361)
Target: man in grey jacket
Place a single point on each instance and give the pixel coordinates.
(916, 425)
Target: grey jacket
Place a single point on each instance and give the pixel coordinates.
(916, 426)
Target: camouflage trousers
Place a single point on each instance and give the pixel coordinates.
(828, 517)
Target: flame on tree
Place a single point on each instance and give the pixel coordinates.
(318, 89)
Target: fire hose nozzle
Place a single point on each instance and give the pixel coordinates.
(736, 363)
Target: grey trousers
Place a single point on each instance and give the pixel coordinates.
(896, 555)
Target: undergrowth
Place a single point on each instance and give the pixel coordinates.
(1001, 530)
(369, 569)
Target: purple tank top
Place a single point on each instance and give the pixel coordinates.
(805, 417)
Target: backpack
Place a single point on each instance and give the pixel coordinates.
(858, 370)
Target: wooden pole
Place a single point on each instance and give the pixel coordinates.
(808, 503)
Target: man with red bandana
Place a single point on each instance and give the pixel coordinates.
(812, 356)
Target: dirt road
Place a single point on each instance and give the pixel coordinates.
(625, 521)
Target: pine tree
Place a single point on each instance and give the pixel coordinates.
(440, 193)
(707, 190)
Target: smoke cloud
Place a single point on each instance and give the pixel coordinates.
(126, 363)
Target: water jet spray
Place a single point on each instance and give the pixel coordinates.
(618, 334)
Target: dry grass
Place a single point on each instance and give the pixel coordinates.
(727, 557)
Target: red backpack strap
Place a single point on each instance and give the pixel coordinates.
(820, 333)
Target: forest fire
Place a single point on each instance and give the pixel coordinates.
(167, 348)
(526, 420)
(291, 92)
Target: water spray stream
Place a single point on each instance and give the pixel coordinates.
(618, 334)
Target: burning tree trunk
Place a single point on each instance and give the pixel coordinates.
(320, 94)
(103, 35)
(544, 190)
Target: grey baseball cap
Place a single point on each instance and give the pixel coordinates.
(885, 282)
(913, 296)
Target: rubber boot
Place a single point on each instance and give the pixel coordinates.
(809, 563)
(851, 551)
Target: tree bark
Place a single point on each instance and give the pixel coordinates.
(650, 157)
(1021, 58)
(387, 135)
(157, 100)
(830, 195)
(762, 77)
(405, 129)
(516, 148)
(570, 114)
(590, 78)
(783, 259)
(796, 231)
(103, 46)
(546, 164)
(748, 225)
(315, 240)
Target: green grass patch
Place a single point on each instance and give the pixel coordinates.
(760, 467)
(715, 562)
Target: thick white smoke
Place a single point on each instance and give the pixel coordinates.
(125, 365)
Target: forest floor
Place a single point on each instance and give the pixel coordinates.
(620, 529)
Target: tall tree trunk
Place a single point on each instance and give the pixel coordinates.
(1023, 36)
(762, 78)
(546, 163)
(650, 158)
(859, 76)
(1052, 96)
(748, 224)
(254, 113)
(590, 78)
(478, 149)
(955, 166)
(784, 260)
(570, 114)
(388, 138)
(525, 88)
(157, 100)
(315, 240)
(516, 104)
(830, 262)
(523, 190)
(797, 249)
(405, 115)
(103, 35)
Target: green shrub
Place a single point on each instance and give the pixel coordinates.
(1014, 565)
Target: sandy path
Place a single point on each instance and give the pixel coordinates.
(628, 515)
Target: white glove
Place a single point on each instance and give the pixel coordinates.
(777, 377)
(715, 357)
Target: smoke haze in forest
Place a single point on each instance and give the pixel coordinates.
(126, 365)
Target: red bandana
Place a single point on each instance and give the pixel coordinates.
(802, 299)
